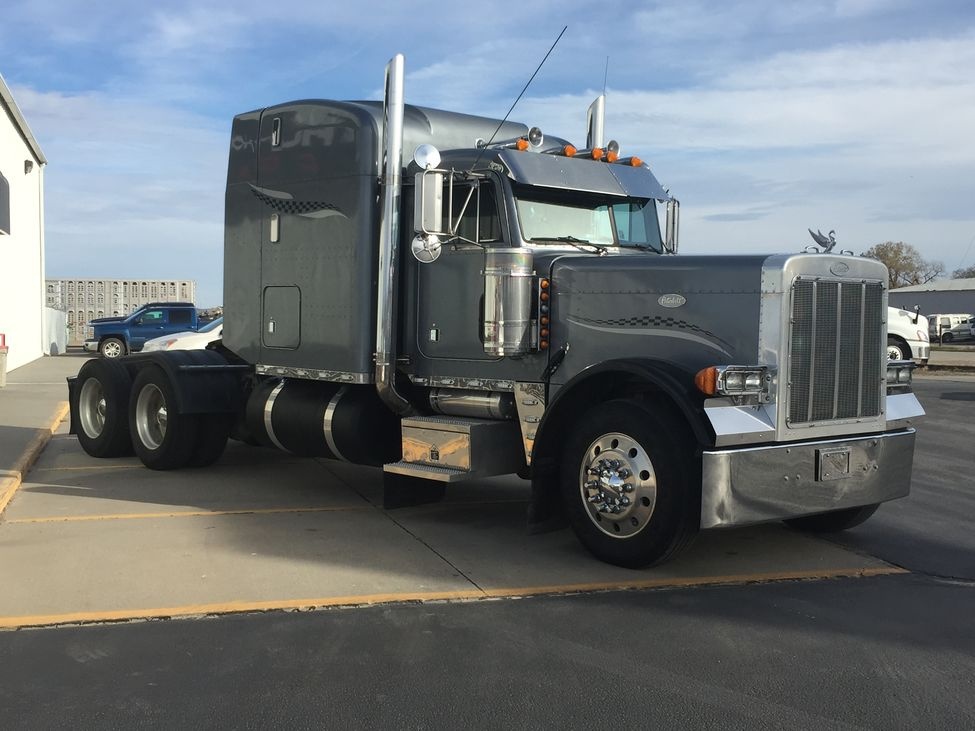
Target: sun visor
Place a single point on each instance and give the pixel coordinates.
(557, 171)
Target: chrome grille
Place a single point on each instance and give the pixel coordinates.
(835, 350)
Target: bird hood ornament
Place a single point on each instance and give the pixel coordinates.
(827, 242)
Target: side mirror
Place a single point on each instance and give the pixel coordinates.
(428, 209)
(917, 313)
(672, 227)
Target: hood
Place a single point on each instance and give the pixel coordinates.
(688, 310)
(100, 320)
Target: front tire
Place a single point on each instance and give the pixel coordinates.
(947, 338)
(101, 407)
(112, 348)
(834, 522)
(626, 485)
(896, 350)
(162, 438)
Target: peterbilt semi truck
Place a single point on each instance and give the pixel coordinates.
(447, 297)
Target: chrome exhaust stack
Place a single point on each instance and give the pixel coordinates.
(389, 229)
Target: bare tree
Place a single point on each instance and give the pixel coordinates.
(967, 273)
(905, 264)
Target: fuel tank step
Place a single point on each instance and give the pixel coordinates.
(450, 449)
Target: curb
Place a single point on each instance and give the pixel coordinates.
(10, 480)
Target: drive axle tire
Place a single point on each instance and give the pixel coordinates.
(162, 438)
(101, 408)
(626, 485)
(214, 432)
(835, 521)
(112, 348)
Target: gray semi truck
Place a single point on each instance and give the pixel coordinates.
(505, 303)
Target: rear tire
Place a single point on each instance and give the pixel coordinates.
(835, 521)
(112, 348)
(626, 485)
(101, 407)
(162, 438)
(214, 432)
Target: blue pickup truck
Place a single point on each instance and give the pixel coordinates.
(116, 336)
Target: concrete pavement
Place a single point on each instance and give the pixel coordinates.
(96, 540)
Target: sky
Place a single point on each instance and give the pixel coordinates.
(763, 118)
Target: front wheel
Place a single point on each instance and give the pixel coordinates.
(947, 338)
(626, 485)
(896, 350)
(835, 521)
(162, 438)
(112, 348)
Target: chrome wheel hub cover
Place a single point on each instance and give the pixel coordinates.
(151, 416)
(92, 408)
(618, 485)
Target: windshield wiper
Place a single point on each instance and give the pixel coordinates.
(576, 242)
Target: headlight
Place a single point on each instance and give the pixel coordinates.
(899, 373)
(733, 380)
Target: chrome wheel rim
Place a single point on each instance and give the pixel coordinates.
(92, 408)
(112, 349)
(618, 485)
(151, 416)
(894, 353)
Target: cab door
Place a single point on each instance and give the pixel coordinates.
(450, 290)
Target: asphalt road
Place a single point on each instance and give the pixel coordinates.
(883, 652)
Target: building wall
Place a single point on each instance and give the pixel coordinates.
(86, 299)
(958, 301)
(22, 249)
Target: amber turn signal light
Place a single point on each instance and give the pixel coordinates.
(706, 380)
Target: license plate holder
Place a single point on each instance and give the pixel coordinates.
(833, 463)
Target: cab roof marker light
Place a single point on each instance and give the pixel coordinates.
(633, 162)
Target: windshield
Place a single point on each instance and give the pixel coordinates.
(566, 216)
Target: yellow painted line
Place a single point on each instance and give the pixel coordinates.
(90, 468)
(684, 582)
(234, 607)
(185, 514)
(12, 480)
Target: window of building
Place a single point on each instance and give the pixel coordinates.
(4, 205)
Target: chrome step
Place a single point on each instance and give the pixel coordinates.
(426, 472)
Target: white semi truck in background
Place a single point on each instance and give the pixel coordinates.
(542, 327)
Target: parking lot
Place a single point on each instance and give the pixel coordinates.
(846, 625)
(94, 540)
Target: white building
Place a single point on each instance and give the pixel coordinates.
(21, 236)
(86, 299)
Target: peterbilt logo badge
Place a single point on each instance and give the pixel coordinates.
(671, 300)
(840, 268)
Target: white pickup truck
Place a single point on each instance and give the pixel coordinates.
(907, 336)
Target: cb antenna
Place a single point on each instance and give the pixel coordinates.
(518, 99)
(605, 76)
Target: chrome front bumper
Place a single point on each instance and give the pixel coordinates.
(760, 484)
(91, 346)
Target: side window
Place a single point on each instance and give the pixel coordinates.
(153, 317)
(4, 205)
(474, 212)
(180, 317)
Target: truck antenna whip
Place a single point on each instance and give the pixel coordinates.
(605, 75)
(518, 99)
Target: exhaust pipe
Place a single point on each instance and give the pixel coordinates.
(595, 117)
(392, 174)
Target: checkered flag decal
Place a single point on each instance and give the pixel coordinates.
(653, 322)
(286, 203)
